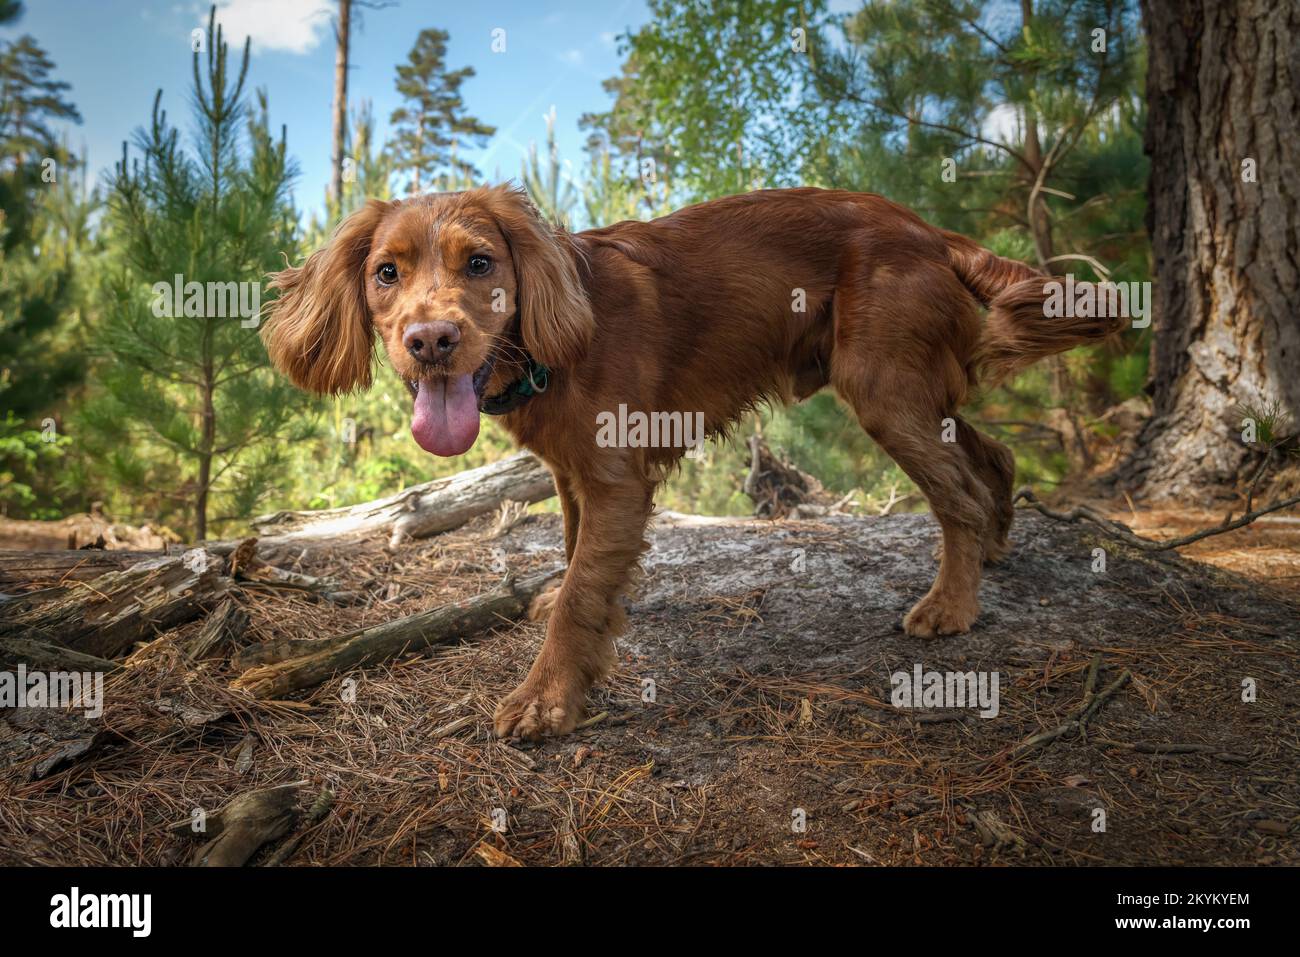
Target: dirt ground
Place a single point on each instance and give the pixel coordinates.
(767, 648)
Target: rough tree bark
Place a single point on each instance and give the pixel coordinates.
(24, 567)
(1223, 88)
(106, 616)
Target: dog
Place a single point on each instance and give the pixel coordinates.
(768, 296)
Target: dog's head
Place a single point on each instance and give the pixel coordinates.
(457, 285)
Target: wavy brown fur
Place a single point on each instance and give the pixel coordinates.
(1016, 331)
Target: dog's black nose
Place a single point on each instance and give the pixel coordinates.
(431, 341)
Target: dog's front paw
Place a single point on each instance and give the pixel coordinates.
(536, 709)
(933, 616)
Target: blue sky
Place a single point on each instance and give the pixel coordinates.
(117, 53)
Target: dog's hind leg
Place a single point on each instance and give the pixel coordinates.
(996, 466)
(898, 362)
(961, 503)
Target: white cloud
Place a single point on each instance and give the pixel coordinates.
(294, 26)
(572, 57)
(1002, 124)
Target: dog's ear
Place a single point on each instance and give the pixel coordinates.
(554, 312)
(318, 331)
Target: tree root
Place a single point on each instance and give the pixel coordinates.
(1128, 536)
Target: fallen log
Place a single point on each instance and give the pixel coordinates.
(320, 807)
(421, 510)
(53, 568)
(225, 625)
(236, 831)
(53, 736)
(44, 656)
(107, 615)
(286, 666)
(248, 568)
(269, 577)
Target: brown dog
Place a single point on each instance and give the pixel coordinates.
(766, 296)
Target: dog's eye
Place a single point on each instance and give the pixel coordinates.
(387, 274)
(479, 265)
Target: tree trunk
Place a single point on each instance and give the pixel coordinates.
(1223, 89)
(419, 157)
(1040, 222)
(340, 99)
(207, 441)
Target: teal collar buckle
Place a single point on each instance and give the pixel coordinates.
(535, 380)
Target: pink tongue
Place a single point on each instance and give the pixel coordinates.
(445, 419)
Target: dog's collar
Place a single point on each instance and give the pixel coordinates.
(535, 379)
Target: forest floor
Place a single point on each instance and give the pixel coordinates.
(769, 647)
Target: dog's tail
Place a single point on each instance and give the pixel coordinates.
(1019, 329)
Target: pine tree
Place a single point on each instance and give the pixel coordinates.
(33, 164)
(552, 190)
(609, 196)
(628, 151)
(30, 99)
(43, 216)
(367, 169)
(430, 126)
(186, 400)
(929, 80)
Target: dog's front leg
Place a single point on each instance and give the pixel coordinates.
(579, 648)
(571, 510)
(544, 603)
